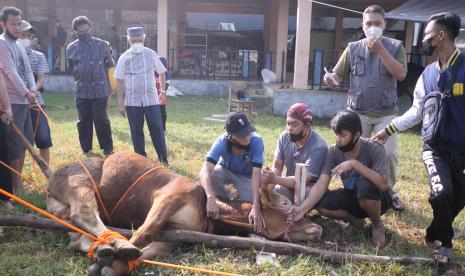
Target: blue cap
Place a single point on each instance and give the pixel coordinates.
(135, 31)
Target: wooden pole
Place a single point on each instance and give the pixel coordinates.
(300, 183)
(212, 240)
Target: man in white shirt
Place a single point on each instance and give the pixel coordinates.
(137, 95)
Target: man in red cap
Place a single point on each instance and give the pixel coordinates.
(298, 144)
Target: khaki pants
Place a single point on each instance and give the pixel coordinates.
(370, 126)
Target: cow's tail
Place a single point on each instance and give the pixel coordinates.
(44, 167)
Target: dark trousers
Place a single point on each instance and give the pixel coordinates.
(94, 112)
(136, 123)
(163, 116)
(446, 174)
(5, 174)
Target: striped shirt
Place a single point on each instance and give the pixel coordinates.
(138, 72)
(38, 64)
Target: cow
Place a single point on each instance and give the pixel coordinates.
(139, 193)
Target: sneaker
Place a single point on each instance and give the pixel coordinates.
(398, 204)
(7, 205)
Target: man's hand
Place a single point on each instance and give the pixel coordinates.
(7, 116)
(122, 110)
(331, 79)
(256, 218)
(163, 99)
(296, 213)
(374, 45)
(31, 97)
(342, 168)
(381, 137)
(268, 176)
(212, 209)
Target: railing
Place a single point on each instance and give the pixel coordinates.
(218, 65)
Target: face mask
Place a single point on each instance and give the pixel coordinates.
(349, 146)
(296, 137)
(137, 47)
(237, 145)
(25, 42)
(373, 31)
(427, 48)
(85, 37)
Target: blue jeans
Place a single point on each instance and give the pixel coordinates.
(136, 123)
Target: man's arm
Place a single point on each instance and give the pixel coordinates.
(10, 71)
(120, 90)
(40, 80)
(340, 70)
(205, 182)
(286, 181)
(316, 193)
(5, 101)
(394, 67)
(256, 216)
(381, 181)
(410, 118)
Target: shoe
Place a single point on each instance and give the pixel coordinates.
(7, 205)
(443, 255)
(108, 153)
(398, 204)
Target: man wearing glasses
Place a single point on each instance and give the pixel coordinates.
(298, 144)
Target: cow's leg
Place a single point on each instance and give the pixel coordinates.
(151, 251)
(163, 207)
(84, 213)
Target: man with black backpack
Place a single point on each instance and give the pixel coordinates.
(439, 100)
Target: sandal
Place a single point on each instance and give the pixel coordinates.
(398, 204)
(443, 255)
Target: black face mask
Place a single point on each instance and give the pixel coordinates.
(427, 48)
(237, 145)
(85, 37)
(296, 137)
(349, 146)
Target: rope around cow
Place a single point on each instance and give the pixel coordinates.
(106, 236)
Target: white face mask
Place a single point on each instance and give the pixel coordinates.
(24, 42)
(137, 47)
(373, 31)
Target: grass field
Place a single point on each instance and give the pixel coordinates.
(26, 252)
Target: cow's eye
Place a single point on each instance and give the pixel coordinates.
(285, 202)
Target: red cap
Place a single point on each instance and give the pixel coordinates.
(301, 111)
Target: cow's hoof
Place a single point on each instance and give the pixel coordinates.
(104, 251)
(105, 261)
(94, 270)
(128, 252)
(107, 271)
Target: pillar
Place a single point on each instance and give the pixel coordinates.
(302, 47)
(409, 30)
(162, 28)
(52, 18)
(280, 44)
(338, 33)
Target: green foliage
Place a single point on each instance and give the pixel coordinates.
(189, 137)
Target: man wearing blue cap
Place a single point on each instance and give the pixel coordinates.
(137, 95)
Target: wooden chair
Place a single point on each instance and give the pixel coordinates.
(246, 105)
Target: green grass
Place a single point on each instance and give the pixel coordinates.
(189, 138)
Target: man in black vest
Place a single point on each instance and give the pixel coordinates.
(374, 65)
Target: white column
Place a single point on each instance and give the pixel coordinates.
(162, 28)
(281, 40)
(302, 47)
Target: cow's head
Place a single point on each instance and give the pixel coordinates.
(275, 208)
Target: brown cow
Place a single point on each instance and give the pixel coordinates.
(161, 200)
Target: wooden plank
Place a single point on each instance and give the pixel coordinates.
(300, 183)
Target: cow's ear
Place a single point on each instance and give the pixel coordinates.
(265, 197)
